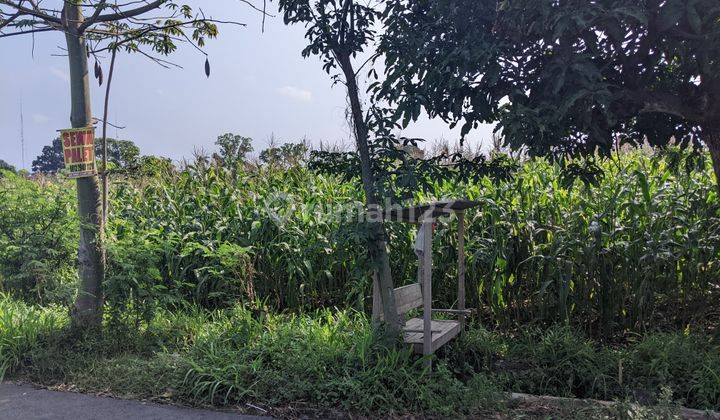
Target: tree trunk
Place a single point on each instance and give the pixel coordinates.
(712, 139)
(87, 312)
(377, 246)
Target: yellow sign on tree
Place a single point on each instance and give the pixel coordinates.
(79, 151)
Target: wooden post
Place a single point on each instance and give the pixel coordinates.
(427, 290)
(461, 266)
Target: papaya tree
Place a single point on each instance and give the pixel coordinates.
(337, 31)
(90, 27)
(570, 77)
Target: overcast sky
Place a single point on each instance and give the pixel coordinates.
(260, 86)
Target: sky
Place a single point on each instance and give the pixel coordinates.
(260, 87)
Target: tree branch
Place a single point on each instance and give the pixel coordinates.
(9, 20)
(89, 21)
(123, 14)
(152, 28)
(36, 13)
(32, 31)
(666, 103)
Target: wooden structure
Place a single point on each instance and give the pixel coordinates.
(425, 334)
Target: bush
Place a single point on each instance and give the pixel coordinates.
(689, 365)
(38, 240)
(561, 362)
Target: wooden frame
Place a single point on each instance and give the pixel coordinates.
(426, 282)
(427, 335)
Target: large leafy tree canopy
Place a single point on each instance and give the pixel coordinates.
(436, 55)
(234, 148)
(51, 159)
(123, 154)
(561, 77)
(339, 30)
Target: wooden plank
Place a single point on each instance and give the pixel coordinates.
(453, 311)
(442, 332)
(415, 214)
(413, 324)
(461, 266)
(434, 331)
(406, 298)
(427, 292)
(451, 331)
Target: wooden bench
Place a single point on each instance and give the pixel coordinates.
(410, 297)
(425, 334)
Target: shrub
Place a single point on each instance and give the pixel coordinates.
(38, 240)
(561, 362)
(689, 365)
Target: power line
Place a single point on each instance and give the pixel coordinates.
(22, 135)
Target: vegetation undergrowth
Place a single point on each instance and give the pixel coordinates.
(331, 360)
(230, 357)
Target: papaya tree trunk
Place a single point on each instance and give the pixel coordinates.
(377, 244)
(87, 312)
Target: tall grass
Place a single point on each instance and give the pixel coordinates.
(219, 237)
(329, 359)
(23, 328)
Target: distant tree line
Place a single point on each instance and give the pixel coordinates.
(6, 166)
(121, 154)
(125, 155)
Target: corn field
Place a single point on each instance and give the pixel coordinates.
(637, 251)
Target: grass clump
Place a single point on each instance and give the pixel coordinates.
(687, 366)
(561, 362)
(24, 328)
(657, 369)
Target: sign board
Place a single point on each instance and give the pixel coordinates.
(79, 151)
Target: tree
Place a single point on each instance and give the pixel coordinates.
(337, 31)
(50, 159)
(4, 166)
(579, 77)
(234, 149)
(288, 155)
(154, 166)
(121, 153)
(90, 27)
